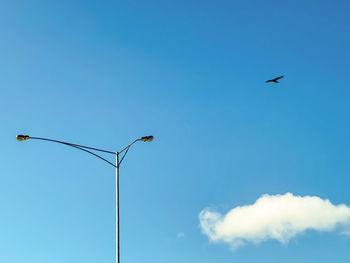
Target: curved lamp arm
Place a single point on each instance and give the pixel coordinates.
(83, 148)
(126, 149)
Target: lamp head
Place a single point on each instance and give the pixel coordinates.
(22, 137)
(147, 138)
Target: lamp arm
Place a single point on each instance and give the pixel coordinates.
(71, 144)
(127, 147)
(94, 154)
(79, 147)
(84, 148)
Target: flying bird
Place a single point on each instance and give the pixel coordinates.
(275, 79)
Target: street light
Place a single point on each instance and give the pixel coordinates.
(116, 165)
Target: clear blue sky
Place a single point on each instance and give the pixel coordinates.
(191, 73)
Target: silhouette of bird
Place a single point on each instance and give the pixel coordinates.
(275, 79)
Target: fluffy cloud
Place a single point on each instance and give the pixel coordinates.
(279, 217)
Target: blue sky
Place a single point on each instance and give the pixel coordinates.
(191, 73)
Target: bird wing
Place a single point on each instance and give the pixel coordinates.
(270, 80)
(279, 77)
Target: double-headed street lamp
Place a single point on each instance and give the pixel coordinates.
(116, 165)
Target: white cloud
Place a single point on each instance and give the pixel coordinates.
(279, 217)
(180, 235)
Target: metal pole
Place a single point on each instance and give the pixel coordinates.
(117, 243)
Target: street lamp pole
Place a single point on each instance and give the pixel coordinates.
(117, 226)
(116, 165)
